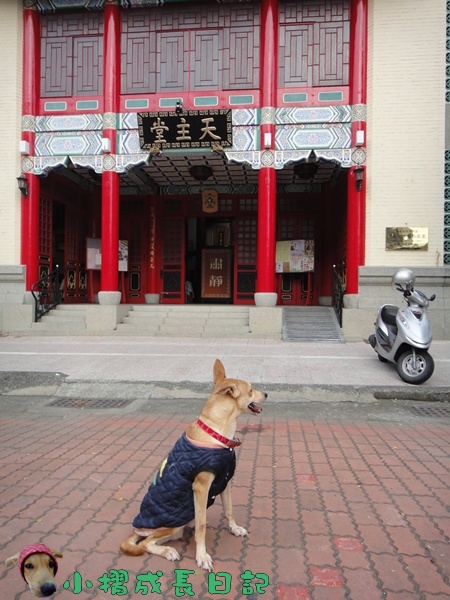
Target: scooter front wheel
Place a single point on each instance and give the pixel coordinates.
(422, 371)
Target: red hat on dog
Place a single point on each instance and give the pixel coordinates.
(33, 549)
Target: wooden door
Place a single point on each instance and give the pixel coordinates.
(45, 237)
(296, 288)
(245, 260)
(133, 228)
(173, 270)
(75, 275)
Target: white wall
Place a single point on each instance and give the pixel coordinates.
(406, 118)
(10, 111)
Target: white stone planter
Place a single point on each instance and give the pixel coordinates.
(109, 298)
(266, 299)
(151, 298)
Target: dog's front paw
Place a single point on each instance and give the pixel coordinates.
(204, 561)
(238, 531)
(170, 553)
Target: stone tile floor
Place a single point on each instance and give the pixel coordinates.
(336, 508)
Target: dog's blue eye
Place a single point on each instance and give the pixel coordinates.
(51, 564)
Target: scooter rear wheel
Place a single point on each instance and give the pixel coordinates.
(423, 370)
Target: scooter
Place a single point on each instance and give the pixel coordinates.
(403, 335)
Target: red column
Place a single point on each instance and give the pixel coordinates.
(110, 232)
(30, 102)
(267, 182)
(356, 200)
(110, 178)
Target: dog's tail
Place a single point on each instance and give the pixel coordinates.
(132, 547)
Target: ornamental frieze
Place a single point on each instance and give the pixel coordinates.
(326, 130)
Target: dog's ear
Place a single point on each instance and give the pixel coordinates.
(231, 389)
(10, 562)
(57, 553)
(218, 371)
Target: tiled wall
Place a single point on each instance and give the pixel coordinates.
(447, 151)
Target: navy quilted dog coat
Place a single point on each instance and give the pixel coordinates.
(169, 501)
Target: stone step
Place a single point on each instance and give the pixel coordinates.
(64, 317)
(186, 320)
(70, 307)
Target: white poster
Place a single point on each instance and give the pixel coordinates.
(294, 256)
(94, 254)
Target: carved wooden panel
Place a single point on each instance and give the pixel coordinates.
(245, 259)
(74, 255)
(56, 67)
(138, 53)
(207, 47)
(314, 43)
(71, 55)
(206, 59)
(173, 260)
(87, 66)
(172, 60)
(45, 227)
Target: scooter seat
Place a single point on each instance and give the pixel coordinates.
(389, 314)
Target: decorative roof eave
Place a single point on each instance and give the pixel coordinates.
(278, 159)
(52, 6)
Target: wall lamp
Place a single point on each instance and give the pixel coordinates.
(200, 172)
(179, 107)
(22, 183)
(359, 177)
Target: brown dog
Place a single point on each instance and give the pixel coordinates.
(199, 467)
(38, 567)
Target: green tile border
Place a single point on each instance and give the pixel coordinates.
(51, 106)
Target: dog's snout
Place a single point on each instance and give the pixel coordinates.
(47, 589)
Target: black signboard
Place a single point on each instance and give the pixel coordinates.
(189, 129)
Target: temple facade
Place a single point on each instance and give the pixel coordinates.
(265, 153)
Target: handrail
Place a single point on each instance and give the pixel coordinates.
(46, 293)
(339, 286)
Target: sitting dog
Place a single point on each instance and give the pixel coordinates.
(38, 567)
(199, 467)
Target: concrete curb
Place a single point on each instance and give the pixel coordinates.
(56, 384)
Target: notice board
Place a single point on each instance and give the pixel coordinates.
(294, 256)
(94, 254)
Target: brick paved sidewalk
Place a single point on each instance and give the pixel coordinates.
(335, 509)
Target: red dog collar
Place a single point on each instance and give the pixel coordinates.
(217, 436)
(34, 549)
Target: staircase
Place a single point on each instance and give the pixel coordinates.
(311, 324)
(65, 319)
(300, 323)
(188, 320)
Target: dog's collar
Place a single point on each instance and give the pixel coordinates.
(217, 436)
